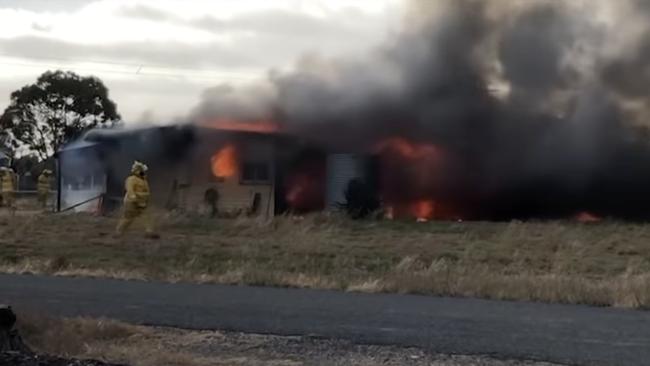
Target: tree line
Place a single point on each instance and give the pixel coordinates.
(57, 109)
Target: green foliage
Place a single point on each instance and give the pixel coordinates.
(26, 164)
(57, 109)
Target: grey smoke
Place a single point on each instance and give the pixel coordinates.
(532, 51)
(561, 140)
(630, 76)
(228, 102)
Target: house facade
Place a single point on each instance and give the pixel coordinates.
(194, 169)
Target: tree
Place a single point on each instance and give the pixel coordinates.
(57, 109)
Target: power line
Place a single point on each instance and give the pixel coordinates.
(50, 58)
(89, 61)
(140, 70)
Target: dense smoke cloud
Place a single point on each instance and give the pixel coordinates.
(539, 106)
(629, 73)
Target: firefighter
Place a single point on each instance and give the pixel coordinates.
(43, 187)
(136, 201)
(8, 186)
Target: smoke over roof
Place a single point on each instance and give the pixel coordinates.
(540, 106)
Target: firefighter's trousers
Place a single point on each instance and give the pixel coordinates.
(132, 212)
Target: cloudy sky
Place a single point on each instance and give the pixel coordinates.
(157, 56)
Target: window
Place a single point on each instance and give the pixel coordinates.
(255, 173)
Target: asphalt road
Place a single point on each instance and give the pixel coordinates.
(558, 333)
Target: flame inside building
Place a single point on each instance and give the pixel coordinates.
(224, 162)
(410, 173)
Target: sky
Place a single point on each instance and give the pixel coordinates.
(158, 56)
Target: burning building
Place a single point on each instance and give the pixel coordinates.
(229, 168)
(489, 110)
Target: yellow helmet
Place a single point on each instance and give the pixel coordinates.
(139, 167)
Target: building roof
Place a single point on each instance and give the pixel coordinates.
(77, 145)
(96, 136)
(101, 136)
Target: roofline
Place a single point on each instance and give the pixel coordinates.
(93, 138)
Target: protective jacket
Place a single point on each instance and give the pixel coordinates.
(44, 183)
(137, 191)
(8, 181)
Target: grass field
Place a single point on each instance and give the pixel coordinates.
(605, 263)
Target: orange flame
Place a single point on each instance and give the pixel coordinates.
(587, 217)
(305, 191)
(224, 162)
(421, 165)
(295, 191)
(423, 210)
(243, 126)
(389, 213)
(408, 149)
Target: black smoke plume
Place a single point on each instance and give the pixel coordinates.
(539, 106)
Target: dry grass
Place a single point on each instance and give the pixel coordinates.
(121, 343)
(599, 264)
(117, 342)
